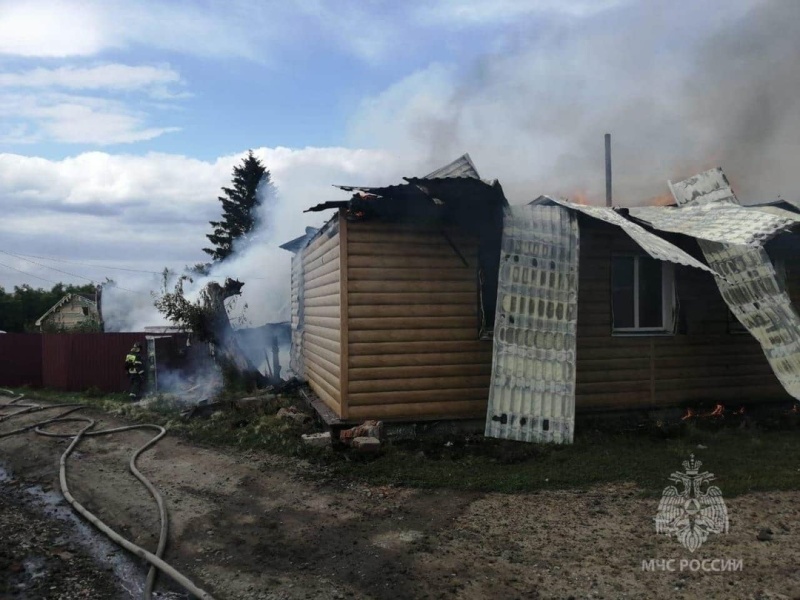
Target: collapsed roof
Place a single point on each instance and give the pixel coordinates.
(454, 194)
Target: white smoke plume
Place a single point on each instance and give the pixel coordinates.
(682, 86)
(302, 178)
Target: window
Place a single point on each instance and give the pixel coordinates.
(85, 310)
(642, 295)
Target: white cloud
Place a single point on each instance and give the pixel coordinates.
(480, 12)
(264, 31)
(73, 119)
(63, 28)
(50, 29)
(116, 77)
(151, 211)
(55, 113)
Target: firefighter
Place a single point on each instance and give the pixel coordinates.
(135, 369)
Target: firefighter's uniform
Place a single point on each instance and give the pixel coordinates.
(135, 369)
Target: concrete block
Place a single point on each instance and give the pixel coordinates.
(366, 444)
(317, 440)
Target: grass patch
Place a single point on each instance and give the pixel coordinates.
(742, 461)
(763, 456)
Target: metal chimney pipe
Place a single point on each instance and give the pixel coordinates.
(608, 169)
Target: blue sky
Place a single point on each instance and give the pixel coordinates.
(293, 79)
(120, 121)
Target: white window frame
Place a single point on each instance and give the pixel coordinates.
(668, 300)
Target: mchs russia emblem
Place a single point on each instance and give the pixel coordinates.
(694, 512)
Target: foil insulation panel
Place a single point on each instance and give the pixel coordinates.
(748, 283)
(723, 222)
(657, 247)
(753, 293)
(532, 392)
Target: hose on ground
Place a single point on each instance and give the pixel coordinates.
(154, 559)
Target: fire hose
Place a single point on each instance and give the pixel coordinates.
(154, 559)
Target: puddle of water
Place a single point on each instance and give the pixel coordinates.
(130, 574)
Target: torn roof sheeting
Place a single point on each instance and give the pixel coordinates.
(705, 187)
(720, 221)
(750, 286)
(658, 248)
(460, 167)
(448, 193)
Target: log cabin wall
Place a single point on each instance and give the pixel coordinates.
(413, 324)
(321, 315)
(704, 360)
(296, 362)
(390, 329)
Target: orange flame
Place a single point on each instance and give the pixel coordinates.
(579, 197)
(660, 200)
(690, 414)
(719, 411)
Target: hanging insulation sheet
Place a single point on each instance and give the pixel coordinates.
(532, 393)
(749, 285)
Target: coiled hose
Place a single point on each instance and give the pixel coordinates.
(155, 560)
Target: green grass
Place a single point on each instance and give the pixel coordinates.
(742, 461)
(763, 456)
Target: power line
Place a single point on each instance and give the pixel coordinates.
(48, 267)
(91, 266)
(29, 274)
(61, 271)
(64, 260)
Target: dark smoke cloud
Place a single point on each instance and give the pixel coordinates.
(745, 93)
(681, 86)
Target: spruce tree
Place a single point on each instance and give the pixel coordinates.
(240, 203)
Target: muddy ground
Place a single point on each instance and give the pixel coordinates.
(260, 526)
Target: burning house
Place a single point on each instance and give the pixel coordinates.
(436, 300)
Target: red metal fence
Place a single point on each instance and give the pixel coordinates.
(20, 359)
(78, 361)
(66, 361)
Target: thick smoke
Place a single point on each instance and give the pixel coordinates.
(302, 179)
(130, 307)
(681, 86)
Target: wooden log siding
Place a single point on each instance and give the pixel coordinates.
(298, 306)
(322, 322)
(390, 325)
(702, 362)
(412, 316)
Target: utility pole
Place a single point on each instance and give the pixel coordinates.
(608, 169)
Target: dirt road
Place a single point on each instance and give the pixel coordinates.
(259, 526)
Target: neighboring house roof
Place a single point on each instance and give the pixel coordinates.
(82, 298)
(299, 243)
